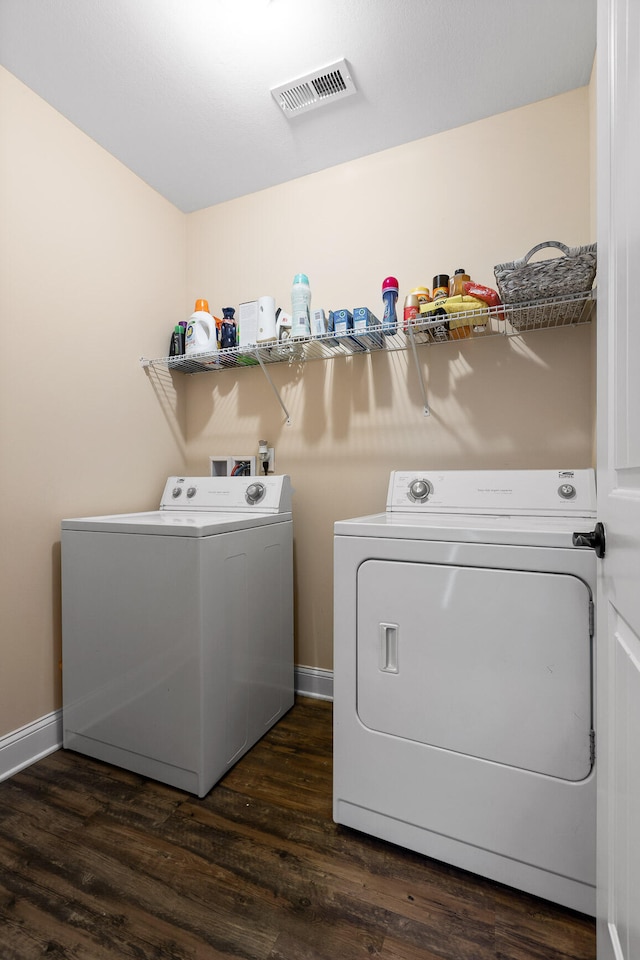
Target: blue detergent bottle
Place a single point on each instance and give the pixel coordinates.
(228, 336)
(389, 298)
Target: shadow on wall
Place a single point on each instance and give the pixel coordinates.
(170, 390)
(494, 402)
(523, 388)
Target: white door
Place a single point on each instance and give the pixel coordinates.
(494, 664)
(618, 662)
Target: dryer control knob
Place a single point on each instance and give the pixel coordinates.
(420, 491)
(255, 492)
(191, 492)
(176, 492)
(567, 491)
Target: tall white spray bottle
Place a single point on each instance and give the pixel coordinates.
(301, 306)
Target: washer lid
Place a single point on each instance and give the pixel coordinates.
(174, 523)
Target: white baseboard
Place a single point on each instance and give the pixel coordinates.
(314, 682)
(30, 743)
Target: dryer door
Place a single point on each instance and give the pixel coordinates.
(495, 664)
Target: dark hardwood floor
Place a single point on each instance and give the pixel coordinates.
(98, 863)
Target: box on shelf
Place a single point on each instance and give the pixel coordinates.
(367, 327)
(343, 327)
(248, 323)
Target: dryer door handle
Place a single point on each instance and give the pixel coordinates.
(388, 647)
(594, 539)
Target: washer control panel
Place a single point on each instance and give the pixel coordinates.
(270, 494)
(494, 492)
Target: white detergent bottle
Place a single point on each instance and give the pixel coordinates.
(201, 330)
(300, 306)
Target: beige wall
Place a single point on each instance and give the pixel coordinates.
(92, 274)
(472, 197)
(95, 268)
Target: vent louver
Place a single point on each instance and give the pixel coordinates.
(316, 89)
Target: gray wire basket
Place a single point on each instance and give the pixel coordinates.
(521, 282)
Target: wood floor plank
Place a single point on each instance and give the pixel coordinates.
(93, 786)
(98, 863)
(530, 929)
(322, 941)
(376, 896)
(393, 949)
(127, 894)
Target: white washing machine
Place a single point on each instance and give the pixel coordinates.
(177, 628)
(464, 675)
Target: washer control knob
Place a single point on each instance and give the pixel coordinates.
(176, 492)
(420, 491)
(567, 491)
(191, 492)
(255, 493)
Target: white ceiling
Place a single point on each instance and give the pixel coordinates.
(179, 90)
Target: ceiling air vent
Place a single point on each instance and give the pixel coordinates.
(316, 89)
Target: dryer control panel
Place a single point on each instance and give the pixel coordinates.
(494, 492)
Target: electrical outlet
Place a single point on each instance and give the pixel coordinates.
(271, 460)
(266, 457)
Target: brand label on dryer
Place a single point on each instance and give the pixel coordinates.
(498, 490)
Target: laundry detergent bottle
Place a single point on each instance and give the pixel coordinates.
(201, 330)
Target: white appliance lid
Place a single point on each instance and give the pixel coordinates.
(174, 523)
(460, 528)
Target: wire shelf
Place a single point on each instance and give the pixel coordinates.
(551, 313)
(506, 320)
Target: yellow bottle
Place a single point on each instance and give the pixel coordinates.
(457, 290)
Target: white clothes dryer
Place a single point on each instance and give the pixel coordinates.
(177, 628)
(464, 675)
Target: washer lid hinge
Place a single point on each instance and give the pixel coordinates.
(592, 618)
(592, 746)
